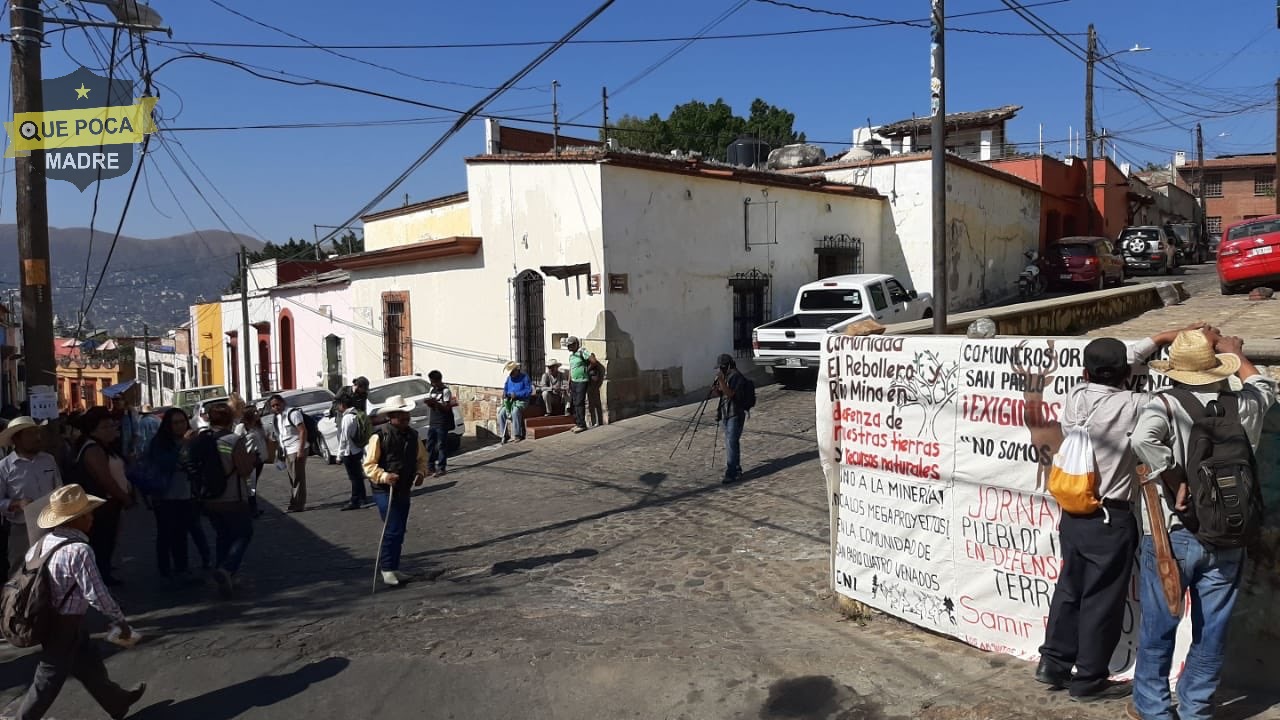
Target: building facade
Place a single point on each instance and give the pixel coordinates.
(208, 344)
(978, 135)
(1236, 187)
(85, 369)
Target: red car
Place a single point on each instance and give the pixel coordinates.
(1249, 255)
(1088, 261)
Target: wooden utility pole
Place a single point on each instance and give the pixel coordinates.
(604, 111)
(32, 208)
(938, 133)
(1091, 54)
(555, 117)
(1204, 238)
(247, 385)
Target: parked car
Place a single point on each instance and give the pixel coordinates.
(1215, 240)
(312, 401)
(1148, 249)
(197, 412)
(1250, 254)
(411, 388)
(788, 346)
(1089, 261)
(1192, 250)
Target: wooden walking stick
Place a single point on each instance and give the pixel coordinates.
(1166, 564)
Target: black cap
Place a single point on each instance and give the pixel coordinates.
(725, 360)
(1106, 360)
(362, 380)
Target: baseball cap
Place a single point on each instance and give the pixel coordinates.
(725, 360)
(1106, 359)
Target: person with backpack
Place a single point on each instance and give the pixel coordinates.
(47, 602)
(441, 402)
(737, 395)
(595, 380)
(581, 361)
(1197, 441)
(354, 430)
(255, 441)
(395, 462)
(169, 487)
(26, 475)
(291, 435)
(1094, 480)
(220, 467)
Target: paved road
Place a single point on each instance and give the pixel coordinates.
(576, 577)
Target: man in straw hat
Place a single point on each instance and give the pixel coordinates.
(74, 585)
(515, 396)
(26, 475)
(1200, 364)
(394, 462)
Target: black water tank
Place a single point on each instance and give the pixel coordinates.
(748, 152)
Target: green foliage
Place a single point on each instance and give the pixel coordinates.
(346, 244)
(697, 126)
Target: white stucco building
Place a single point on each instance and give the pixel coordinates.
(657, 263)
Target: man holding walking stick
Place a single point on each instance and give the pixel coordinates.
(395, 462)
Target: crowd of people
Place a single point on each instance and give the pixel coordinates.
(575, 393)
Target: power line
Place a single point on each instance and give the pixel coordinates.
(923, 24)
(97, 187)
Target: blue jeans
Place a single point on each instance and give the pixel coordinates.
(234, 530)
(437, 448)
(515, 418)
(732, 454)
(354, 465)
(395, 515)
(1213, 576)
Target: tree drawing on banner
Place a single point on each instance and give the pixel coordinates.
(1046, 434)
(931, 386)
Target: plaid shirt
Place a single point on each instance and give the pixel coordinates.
(74, 581)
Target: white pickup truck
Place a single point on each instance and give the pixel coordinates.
(794, 343)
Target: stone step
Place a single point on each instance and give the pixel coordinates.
(548, 421)
(546, 431)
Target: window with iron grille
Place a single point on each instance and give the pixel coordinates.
(1213, 185)
(1213, 224)
(397, 345)
(1264, 183)
(751, 307)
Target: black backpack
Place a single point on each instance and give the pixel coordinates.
(1224, 495)
(25, 604)
(204, 467)
(745, 397)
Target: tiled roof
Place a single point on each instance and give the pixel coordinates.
(1233, 161)
(954, 121)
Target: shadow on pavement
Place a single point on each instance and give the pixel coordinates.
(506, 567)
(235, 700)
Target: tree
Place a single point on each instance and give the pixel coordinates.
(697, 126)
(348, 244)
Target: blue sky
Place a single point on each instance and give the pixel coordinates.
(281, 182)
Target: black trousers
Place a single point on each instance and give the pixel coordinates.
(579, 392)
(1087, 612)
(104, 534)
(68, 652)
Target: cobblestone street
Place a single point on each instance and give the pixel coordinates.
(576, 577)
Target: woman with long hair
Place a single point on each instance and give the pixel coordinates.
(91, 469)
(177, 513)
(255, 441)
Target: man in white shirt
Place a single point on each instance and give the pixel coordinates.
(352, 427)
(291, 440)
(26, 475)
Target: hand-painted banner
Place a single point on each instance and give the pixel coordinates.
(937, 453)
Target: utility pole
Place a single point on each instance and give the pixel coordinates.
(555, 118)
(604, 111)
(247, 385)
(1090, 58)
(32, 207)
(146, 361)
(1200, 182)
(938, 132)
(1275, 184)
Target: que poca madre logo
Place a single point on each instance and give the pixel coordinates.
(87, 130)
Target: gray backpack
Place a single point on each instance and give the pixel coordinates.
(25, 604)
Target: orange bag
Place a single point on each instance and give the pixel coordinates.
(1073, 479)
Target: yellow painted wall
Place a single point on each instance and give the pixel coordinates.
(431, 224)
(209, 342)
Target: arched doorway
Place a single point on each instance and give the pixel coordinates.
(333, 363)
(288, 376)
(531, 346)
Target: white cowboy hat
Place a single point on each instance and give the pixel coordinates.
(511, 365)
(15, 426)
(66, 504)
(397, 403)
(1192, 361)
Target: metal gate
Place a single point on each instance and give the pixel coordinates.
(531, 348)
(752, 307)
(393, 337)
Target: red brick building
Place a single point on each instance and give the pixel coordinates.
(1236, 187)
(1063, 210)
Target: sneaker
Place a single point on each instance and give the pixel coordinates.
(390, 578)
(731, 479)
(349, 506)
(1048, 675)
(402, 577)
(579, 429)
(1106, 690)
(442, 473)
(223, 580)
(133, 697)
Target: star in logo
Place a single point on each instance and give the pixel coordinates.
(82, 92)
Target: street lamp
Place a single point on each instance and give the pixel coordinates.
(1091, 59)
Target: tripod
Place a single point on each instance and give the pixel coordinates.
(694, 421)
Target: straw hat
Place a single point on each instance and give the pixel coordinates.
(66, 504)
(15, 426)
(1192, 361)
(514, 364)
(397, 403)
(553, 363)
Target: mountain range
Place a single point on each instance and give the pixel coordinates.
(152, 281)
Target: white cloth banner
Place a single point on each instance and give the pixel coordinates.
(937, 453)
